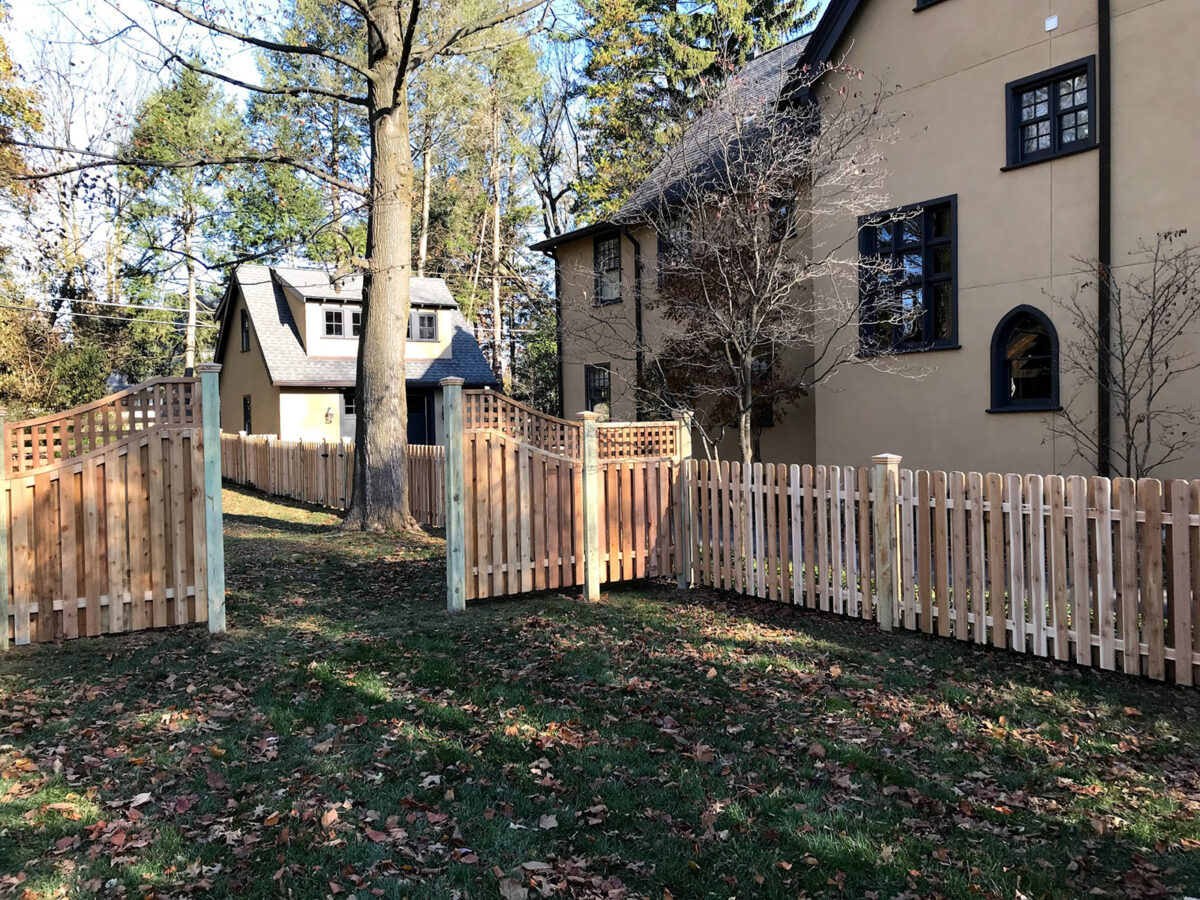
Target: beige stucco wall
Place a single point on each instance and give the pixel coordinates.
(1021, 233)
(302, 415)
(608, 334)
(245, 373)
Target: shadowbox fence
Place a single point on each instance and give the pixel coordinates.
(1101, 572)
(110, 515)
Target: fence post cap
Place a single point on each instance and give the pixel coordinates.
(885, 458)
(208, 367)
(451, 381)
(589, 416)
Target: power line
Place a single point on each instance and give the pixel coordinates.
(200, 308)
(36, 311)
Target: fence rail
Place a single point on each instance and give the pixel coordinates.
(322, 472)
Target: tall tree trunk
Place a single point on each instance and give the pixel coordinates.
(380, 501)
(189, 339)
(497, 325)
(426, 184)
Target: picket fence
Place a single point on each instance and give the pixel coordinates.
(322, 472)
(1100, 572)
(110, 515)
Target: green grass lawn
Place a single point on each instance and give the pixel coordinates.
(348, 738)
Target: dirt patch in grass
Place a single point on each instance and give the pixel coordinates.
(347, 737)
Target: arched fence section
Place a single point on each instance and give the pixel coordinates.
(110, 515)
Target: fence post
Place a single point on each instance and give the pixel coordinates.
(886, 527)
(684, 421)
(210, 409)
(456, 549)
(5, 462)
(592, 561)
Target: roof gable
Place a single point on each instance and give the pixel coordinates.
(262, 289)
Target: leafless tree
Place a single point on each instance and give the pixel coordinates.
(756, 299)
(1154, 345)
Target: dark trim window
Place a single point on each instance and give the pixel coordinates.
(355, 322)
(1052, 113)
(348, 407)
(247, 423)
(422, 326)
(597, 386)
(333, 323)
(607, 258)
(673, 245)
(245, 330)
(1024, 362)
(909, 278)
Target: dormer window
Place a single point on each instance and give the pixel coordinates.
(422, 326)
(333, 323)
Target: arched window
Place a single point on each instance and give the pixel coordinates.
(1024, 362)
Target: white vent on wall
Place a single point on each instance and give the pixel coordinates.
(1051, 23)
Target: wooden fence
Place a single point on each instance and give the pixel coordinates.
(527, 496)
(322, 472)
(110, 515)
(1100, 572)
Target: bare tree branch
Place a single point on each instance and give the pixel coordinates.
(98, 160)
(264, 43)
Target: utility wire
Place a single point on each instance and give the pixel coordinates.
(178, 324)
(200, 308)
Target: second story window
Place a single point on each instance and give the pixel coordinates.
(608, 268)
(356, 323)
(908, 283)
(1052, 113)
(597, 386)
(333, 323)
(245, 331)
(422, 326)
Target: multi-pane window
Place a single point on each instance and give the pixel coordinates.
(597, 384)
(1024, 362)
(1052, 113)
(348, 406)
(607, 255)
(422, 326)
(355, 323)
(909, 292)
(333, 323)
(245, 331)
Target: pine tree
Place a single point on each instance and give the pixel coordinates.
(647, 63)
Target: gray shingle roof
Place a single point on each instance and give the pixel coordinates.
(289, 364)
(762, 79)
(765, 77)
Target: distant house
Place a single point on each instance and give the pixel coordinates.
(288, 347)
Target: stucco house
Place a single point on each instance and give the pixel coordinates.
(288, 347)
(1037, 136)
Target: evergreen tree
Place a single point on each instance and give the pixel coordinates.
(190, 119)
(648, 62)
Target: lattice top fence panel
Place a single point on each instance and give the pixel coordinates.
(620, 440)
(490, 411)
(50, 440)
